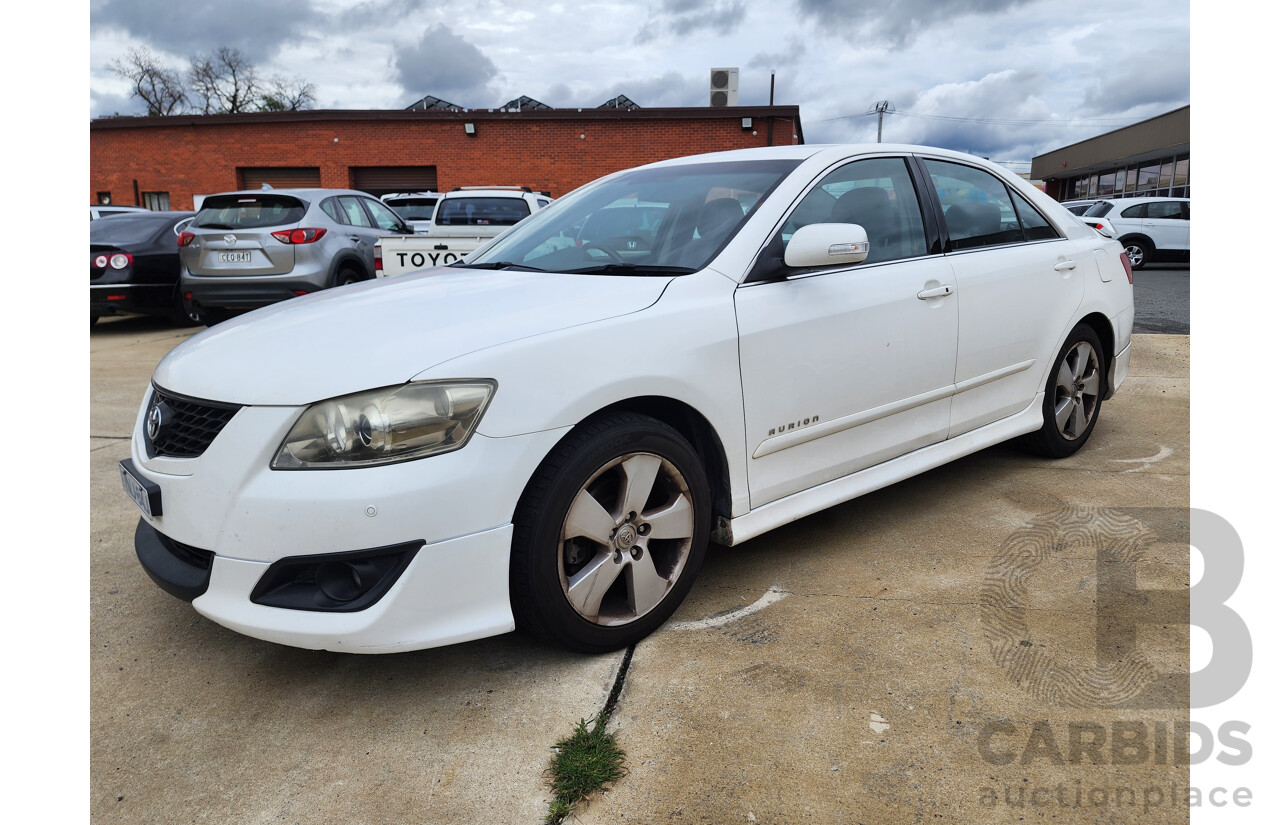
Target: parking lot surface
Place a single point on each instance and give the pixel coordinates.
(848, 667)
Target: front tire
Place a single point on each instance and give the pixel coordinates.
(609, 534)
(1073, 396)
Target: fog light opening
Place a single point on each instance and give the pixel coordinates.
(339, 581)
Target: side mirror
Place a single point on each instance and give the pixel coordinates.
(826, 244)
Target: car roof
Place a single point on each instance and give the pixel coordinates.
(1143, 199)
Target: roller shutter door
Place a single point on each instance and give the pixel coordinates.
(382, 180)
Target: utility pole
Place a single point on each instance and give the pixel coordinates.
(882, 106)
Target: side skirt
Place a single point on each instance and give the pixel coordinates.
(814, 500)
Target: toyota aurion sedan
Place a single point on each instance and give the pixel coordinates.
(546, 437)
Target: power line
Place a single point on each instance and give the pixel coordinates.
(993, 121)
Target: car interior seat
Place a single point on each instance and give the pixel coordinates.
(869, 207)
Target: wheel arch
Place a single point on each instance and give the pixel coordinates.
(343, 260)
(1101, 325)
(695, 428)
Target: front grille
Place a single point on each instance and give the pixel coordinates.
(187, 426)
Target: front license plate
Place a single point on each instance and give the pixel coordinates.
(145, 494)
(235, 257)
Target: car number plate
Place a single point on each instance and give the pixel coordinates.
(145, 494)
(235, 257)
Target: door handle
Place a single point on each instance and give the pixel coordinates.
(936, 292)
(1065, 266)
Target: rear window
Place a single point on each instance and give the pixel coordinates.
(128, 229)
(413, 209)
(1098, 210)
(248, 211)
(481, 211)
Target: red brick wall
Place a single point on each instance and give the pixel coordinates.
(186, 156)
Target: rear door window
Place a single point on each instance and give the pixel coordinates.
(383, 216)
(354, 212)
(248, 211)
(976, 205)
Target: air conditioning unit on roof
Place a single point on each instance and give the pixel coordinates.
(724, 87)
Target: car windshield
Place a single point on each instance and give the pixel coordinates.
(248, 211)
(656, 220)
(1098, 210)
(129, 229)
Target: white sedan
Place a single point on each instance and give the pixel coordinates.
(547, 437)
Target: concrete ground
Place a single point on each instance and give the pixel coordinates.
(930, 652)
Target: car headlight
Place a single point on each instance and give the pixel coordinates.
(385, 426)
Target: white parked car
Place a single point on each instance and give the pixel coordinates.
(547, 436)
(1151, 229)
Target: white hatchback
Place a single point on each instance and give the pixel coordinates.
(547, 436)
(1150, 229)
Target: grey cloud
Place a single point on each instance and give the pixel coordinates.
(377, 13)
(796, 49)
(105, 105)
(683, 17)
(898, 21)
(1158, 80)
(445, 65)
(670, 89)
(256, 28)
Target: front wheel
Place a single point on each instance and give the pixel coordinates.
(1073, 396)
(609, 534)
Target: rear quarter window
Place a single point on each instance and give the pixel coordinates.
(248, 211)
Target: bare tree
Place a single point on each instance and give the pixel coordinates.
(225, 82)
(159, 87)
(287, 94)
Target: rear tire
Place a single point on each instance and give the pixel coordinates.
(609, 534)
(1073, 396)
(185, 313)
(1139, 252)
(347, 275)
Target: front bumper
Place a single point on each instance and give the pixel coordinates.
(230, 504)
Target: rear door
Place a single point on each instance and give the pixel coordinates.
(1018, 283)
(233, 235)
(1168, 223)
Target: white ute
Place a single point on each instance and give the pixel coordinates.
(464, 219)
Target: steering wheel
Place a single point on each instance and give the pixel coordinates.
(612, 254)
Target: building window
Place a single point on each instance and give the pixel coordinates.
(156, 201)
(1106, 185)
(104, 198)
(1181, 171)
(1166, 175)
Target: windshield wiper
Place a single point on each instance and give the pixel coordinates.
(632, 269)
(497, 265)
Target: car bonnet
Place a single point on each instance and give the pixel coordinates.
(381, 333)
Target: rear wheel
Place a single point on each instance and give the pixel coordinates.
(610, 534)
(347, 275)
(185, 313)
(1139, 252)
(1073, 396)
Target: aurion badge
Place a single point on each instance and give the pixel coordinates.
(155, 419)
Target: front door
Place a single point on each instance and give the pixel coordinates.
(847, 367)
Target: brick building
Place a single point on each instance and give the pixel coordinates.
(168, 162)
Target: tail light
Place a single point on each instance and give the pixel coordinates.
(117, 260)
(1128, 266)
(185, 238)
(299, 236)
(377, 260)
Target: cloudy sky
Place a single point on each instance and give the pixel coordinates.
(1006, 79)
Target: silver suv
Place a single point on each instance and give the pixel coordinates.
(252, 248)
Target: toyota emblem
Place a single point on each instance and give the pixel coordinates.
(155, 419)
(230, 239)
